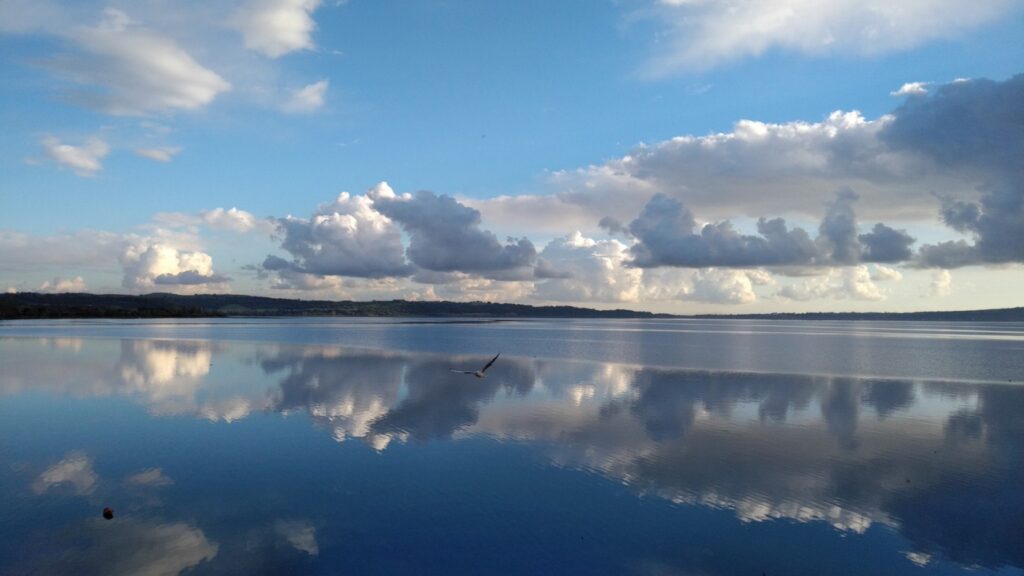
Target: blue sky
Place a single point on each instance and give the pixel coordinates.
(132, 130)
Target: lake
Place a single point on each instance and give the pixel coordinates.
(649, 447)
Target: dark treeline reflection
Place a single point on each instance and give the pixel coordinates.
(940, 463)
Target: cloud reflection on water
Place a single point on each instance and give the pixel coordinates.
(127, 547)
(939, 462)
(74, 470)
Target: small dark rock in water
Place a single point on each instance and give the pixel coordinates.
(108, 513)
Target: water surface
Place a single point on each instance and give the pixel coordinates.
(593, 447)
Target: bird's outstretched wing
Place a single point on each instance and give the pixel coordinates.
(461, 371)
(484, 369)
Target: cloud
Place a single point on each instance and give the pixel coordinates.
(581, 269)
(60, 285)
(886, 244)
(307, 99)
(704, 34)
(189, 278)
(164, 154)
(667, 234)
(850, 283)
(124, 547)
(347, 237)
(972, 126)
(949, 254)
(463, 287)
(74, 469)
(85, 248)
(968, 123)
(613, 226)
(958, 142)
(135, 70)
(445, 236)
(942, 283)
(718, 286)
(160, 373)
(148, 264)
(911, 89)
(285, 275)
(231, 220)
(276, 27)
(837, 232)
(235, 220)
(85, 160)
(757, 168)
(884, 273)
(858, 284)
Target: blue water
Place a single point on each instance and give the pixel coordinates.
(329, 446)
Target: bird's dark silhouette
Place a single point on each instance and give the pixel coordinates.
(479, 373)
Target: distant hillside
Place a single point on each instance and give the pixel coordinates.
(28, 305)
(31, 305)
(991, 315)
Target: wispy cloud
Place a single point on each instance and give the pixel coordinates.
(704, 33)
(307, 99)
(165, 154)
(85, 160)
(128, 69)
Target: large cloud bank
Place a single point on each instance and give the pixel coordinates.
(952, 152)
(712, 218)
(895, 163)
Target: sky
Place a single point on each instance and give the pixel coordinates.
(680, 156)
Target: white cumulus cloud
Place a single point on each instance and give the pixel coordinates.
(882, 273)
(942, 283)
(721, 286)
(850, 283)
(235, 220)
(911, 89)
(149, 264)
(59, 285)
(582, 269)
(346, 237)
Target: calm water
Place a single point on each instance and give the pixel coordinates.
(592, 447)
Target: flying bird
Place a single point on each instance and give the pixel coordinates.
(479, 373)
